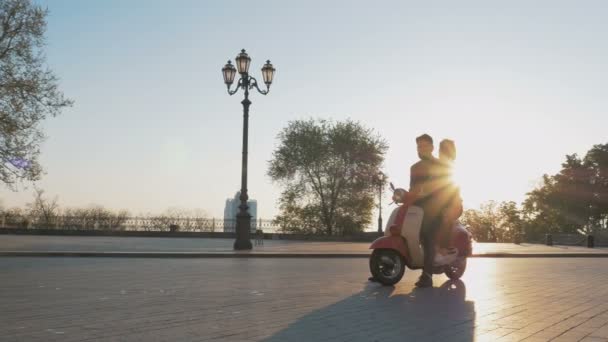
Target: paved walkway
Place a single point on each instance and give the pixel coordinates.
(119, 246)
(112, 299)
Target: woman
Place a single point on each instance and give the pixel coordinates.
(448, 196)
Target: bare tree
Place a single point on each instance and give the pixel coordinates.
(95, 217)
(15, 218)
(42, 210)
(180, 218)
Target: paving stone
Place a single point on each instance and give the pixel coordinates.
(89, 299)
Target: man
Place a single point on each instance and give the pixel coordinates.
(422, 182)
(422, 185)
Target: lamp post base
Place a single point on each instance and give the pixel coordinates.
(240, 245)
(243, 232)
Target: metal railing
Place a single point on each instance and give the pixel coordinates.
(569, 239)
(599, 239)
(119, 223)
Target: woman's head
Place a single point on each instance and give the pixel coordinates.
(447, 150)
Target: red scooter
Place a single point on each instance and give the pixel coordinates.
(400, 247)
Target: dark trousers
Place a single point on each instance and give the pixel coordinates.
(428, 231)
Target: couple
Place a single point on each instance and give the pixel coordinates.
(433, 190)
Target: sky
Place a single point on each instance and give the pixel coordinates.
(518, 85)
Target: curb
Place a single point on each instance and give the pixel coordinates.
(269, 255)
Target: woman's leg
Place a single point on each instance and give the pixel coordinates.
(445, 233)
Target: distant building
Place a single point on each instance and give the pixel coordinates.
(232, 209)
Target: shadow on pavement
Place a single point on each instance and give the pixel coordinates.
(378, 314)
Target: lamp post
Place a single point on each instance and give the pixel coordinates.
(381, 180)
(245, 82)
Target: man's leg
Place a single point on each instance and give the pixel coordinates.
(428, 243)
(429, 253)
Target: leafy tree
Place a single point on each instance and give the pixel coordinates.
(540, 217)
(329, 171)
(495, 222)
(596, 161)
(28, 90)
(574, 200)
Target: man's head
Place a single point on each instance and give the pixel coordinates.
(424, 144)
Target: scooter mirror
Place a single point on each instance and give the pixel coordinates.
(392, 186)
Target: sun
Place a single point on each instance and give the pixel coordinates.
(464, 182)
(456, 176)
(471, 184)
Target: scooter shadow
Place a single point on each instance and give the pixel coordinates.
(380, 313)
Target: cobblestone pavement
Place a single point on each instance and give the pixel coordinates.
(194, 245)
(113, 299)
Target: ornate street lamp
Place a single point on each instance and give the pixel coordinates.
(245, 82)
(381, 182)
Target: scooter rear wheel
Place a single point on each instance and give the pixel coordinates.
(387, 266)
(455, 270)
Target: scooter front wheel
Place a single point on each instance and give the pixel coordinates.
(387, 266)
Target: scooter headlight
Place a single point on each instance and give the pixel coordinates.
(399, 196)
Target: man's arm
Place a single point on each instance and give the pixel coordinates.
(416, 181)
(412, 177)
